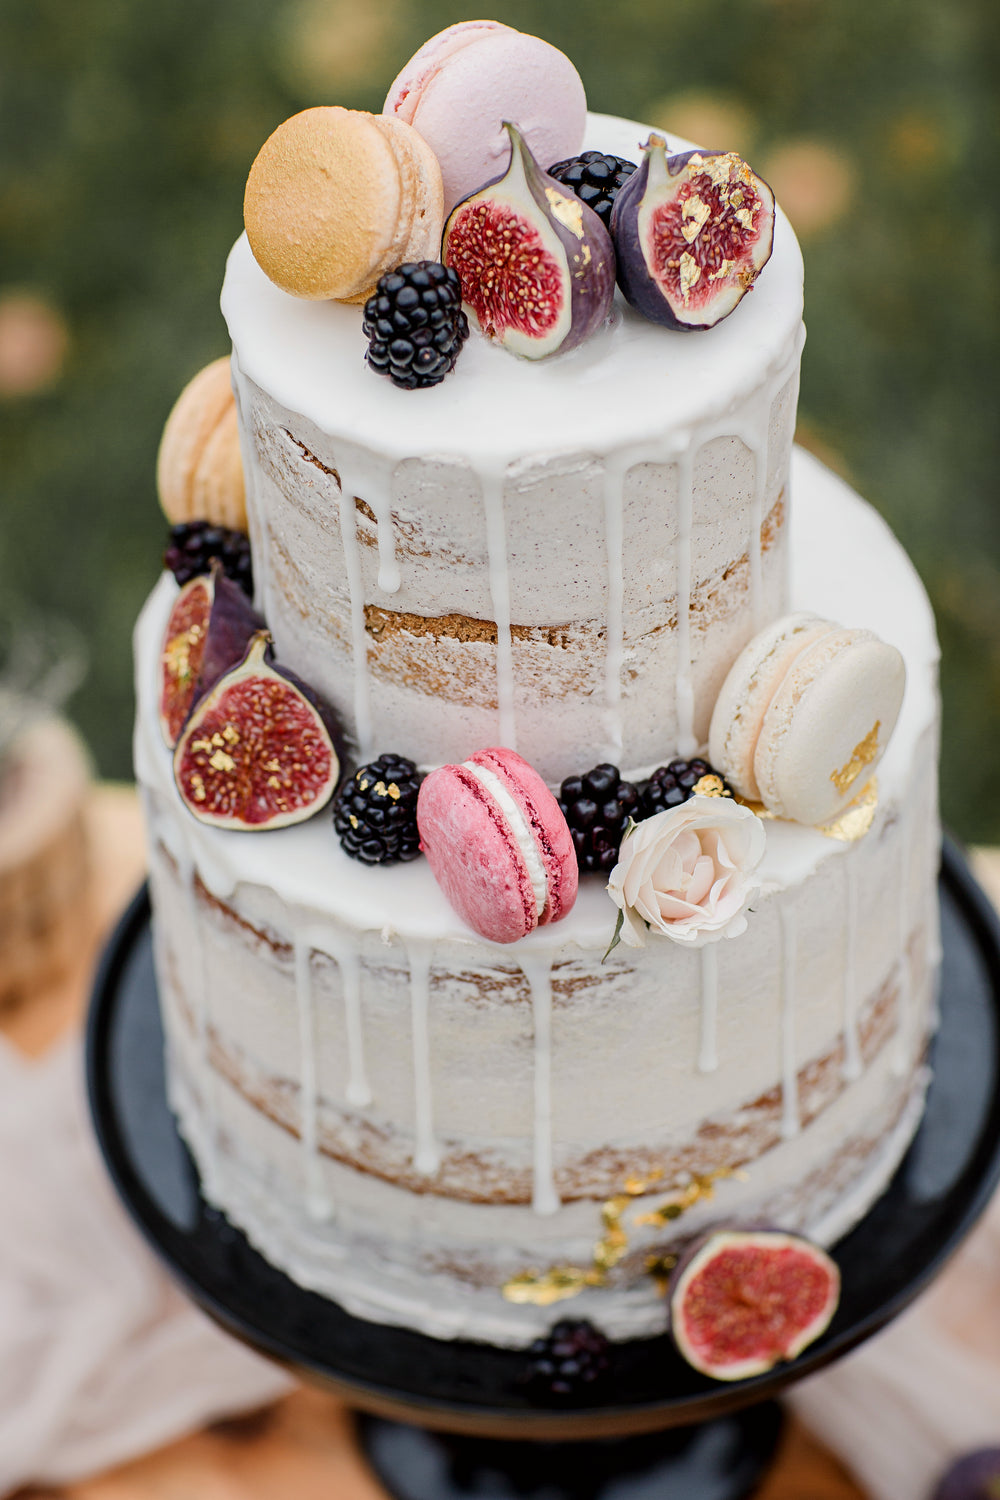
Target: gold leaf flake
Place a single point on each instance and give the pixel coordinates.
(220, 761)
(695, 213)
(856, 819)
(542, 1288)
(569, 211)
(862, 755)
(690, 274)
(710, 786)
(722, 269)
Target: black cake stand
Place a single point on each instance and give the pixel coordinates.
(451, 1419)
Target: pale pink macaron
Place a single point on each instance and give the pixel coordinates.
(465, 82)
(805, 716)
(498, 844)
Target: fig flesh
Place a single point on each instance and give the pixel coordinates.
(256, 752)
(691, 233)
(742, 1301)
(537, 266)
(207, 633)
(974, 1477)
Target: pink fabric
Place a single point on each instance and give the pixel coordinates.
(101, 1358)
(918, 1396)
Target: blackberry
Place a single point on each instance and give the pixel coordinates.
(193, 545)
(671, 785)
(415, 324)
(375, 812)
(597, 808)
(595, 178)
(571, 1361)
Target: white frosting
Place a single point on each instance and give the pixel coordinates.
(846, 563)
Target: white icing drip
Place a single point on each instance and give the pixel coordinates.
(708, 1059)
(904, 999)
(686, 742)
(318, 1206)
(426, 1156)
(852, 1044)
(614, 503)
(519, 828)
(760, 462)
(544, 1197)
(344, 950)
(496, 543)
(358, 1089)
(790, 1122)
(197, 995)
(359, 636)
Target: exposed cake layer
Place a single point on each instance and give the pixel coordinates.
(355, 1068)
(541, 555)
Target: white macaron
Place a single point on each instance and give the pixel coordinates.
(805, 715)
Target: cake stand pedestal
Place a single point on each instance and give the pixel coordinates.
(663, 1430)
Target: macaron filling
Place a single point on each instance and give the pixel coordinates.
(519, 829)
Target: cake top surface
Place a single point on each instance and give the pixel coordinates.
(631, 384)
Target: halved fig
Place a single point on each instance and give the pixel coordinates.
(742, 1301)
(691, 233)
(207, 633)
(537, 266)
(256, 752)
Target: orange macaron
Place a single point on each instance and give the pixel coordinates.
(337, 197)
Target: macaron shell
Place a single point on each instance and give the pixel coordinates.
(323, 203)
(828, 725)
(421, 215)
(500, 75)
(218, 491)
(746, 694)
(406, 88)
(553, 840)
(474, 856)
(197, 478)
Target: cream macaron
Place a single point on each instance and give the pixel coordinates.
(199, 472)
(805, 716)
(337, 197)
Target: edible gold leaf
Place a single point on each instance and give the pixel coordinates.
(695, 213)
(690, 274)
(862, 755)
(856, 819)
(569, 211)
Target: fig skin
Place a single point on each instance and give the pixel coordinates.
(708, 1250)
(576, 243)
(254, 787)
(652, 185)
(227, 627)
(976, 1476)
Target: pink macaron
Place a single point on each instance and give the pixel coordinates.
(465, 82)
(498, 844)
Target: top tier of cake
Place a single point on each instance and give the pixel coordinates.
(563, 556)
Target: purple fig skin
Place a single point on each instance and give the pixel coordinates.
(701, 1253)
(588, 272)
(639, 285)
(231, 623)
(974, 1477)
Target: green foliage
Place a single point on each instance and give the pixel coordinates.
(129, 128)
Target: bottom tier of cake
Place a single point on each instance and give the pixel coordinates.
(450, 1135)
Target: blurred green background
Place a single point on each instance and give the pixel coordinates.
(128, 129)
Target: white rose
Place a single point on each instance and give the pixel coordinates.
(688, 872)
